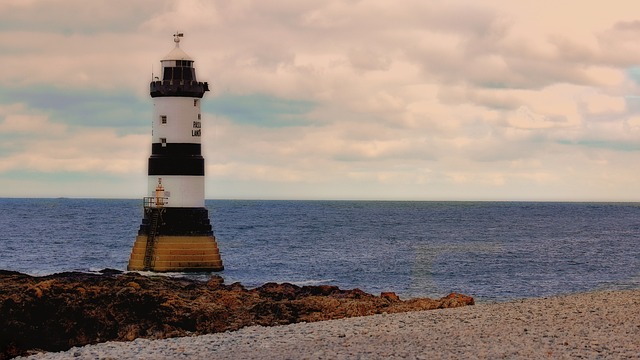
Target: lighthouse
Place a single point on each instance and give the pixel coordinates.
(176, 234)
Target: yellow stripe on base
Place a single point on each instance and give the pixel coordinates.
(177, 254)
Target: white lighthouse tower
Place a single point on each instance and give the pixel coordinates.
(176, 234)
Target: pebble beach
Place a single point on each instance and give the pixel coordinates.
(594, 325)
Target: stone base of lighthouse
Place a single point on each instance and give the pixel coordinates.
(176, 254)
(175, 240)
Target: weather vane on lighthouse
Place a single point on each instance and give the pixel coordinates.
(176, 234)
(176, 37)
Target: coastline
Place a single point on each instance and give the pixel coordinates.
(599, 324)
(59, 311)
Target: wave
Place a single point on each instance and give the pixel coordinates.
(312, 282)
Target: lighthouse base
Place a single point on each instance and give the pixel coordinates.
(175, 254)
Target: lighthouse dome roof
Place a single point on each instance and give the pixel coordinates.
(177, 54)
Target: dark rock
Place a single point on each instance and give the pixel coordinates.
(57, 312)
(215, 281)
(110, 272)
(278, 292)
(391, 296)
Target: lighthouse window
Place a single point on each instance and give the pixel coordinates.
(163, 119)
(163, 141)
(178, 73)
(199, 117)
(184, 63)
(187, 74)
(167, 73)
(195, 102)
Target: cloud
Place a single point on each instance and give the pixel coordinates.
(260, 110)
(68, 106)
(75, 16)
(33, 143)
(15, 122)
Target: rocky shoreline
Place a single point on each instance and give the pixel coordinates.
(593, 325)
(61, 311)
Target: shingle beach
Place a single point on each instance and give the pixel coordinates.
(592, 325)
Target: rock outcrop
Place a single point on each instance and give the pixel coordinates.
(57, 312)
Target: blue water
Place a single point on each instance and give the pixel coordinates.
(493, 251)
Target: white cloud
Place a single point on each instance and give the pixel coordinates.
(34, 143)
(16, 122)
(600, 103)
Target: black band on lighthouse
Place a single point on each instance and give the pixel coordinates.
(180, 222)
(176, 165)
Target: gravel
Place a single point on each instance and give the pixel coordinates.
(593, 325)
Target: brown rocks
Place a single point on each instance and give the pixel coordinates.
(391, 296)
(60, 311)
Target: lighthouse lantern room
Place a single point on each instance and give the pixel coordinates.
(176, 234)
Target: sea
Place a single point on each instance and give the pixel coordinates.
(493, 251)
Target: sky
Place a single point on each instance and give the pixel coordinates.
(373, 100)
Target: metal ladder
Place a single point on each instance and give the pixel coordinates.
(151, 239)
